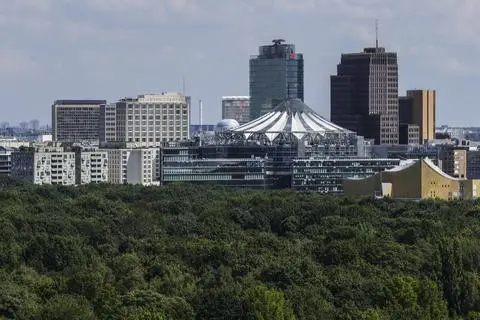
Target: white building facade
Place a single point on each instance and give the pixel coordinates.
(134, 166)
(92, 167)
(146, 121)
(44, 165)
(50, 164)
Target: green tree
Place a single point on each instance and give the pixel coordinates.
(268, 304)
(69, 307)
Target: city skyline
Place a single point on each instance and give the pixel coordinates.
(71, 50)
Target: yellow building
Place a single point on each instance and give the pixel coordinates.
(413, 179)
(424, 103)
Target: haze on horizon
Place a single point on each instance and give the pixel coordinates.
(79, 49)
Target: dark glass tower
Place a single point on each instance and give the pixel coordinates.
(364, 94)
(275, 74)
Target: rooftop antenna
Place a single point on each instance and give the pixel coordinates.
(200, 116)
(183, 84)
(376, 33)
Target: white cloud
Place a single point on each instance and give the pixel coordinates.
(115, 36)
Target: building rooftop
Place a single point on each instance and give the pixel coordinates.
(291, 116)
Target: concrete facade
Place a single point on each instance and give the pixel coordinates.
(145, 121)
(76, 120)
(91, 167)
(44, 166)
(134, 166)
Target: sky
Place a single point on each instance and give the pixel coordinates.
(109, 49)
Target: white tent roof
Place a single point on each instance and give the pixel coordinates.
(291, 116)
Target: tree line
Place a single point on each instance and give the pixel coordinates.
(205, 252)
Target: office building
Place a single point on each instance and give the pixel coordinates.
(145, 121)
(408, 134)
(327, 175)
(134, 166)
(276, 74)
(76, 120)
(418, 108)
(454, 161)
(289, 147)
(237, 108)
(413, 179)
(473, 164)
(364, 94)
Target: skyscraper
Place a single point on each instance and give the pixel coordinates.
(276, 73)
(418, 107)
(236, 107)
(364, 94)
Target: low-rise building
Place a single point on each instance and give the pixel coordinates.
(454, 161)
(134, 166)
(50, 163)
(5, 161)
(44, 165)
(91, 166)
(327, 175)
(14, 143)
(413, 179)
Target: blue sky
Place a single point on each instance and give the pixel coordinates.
(108, 49)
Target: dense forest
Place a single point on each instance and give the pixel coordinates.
(190, 252)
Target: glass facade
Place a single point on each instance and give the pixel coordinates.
(275, 74)
(76, 120)
(266, 166)
(364, 95)
(327, 175)
(187, 164)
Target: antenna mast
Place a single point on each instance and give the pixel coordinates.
(376, 33)
(183, 85)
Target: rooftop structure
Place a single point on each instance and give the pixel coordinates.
(291, 120)
(226, 124)
(414, 179)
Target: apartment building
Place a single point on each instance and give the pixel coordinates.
(51, 164)
(91, 166)
(454, 161)
(5, 161)
(134, 166)
(145, 121)
(47, 164)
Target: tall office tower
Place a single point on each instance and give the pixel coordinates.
(145, 121)
(76, 120)
(276, 73)
(418, 108)
(364, 94)
(236, 107)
